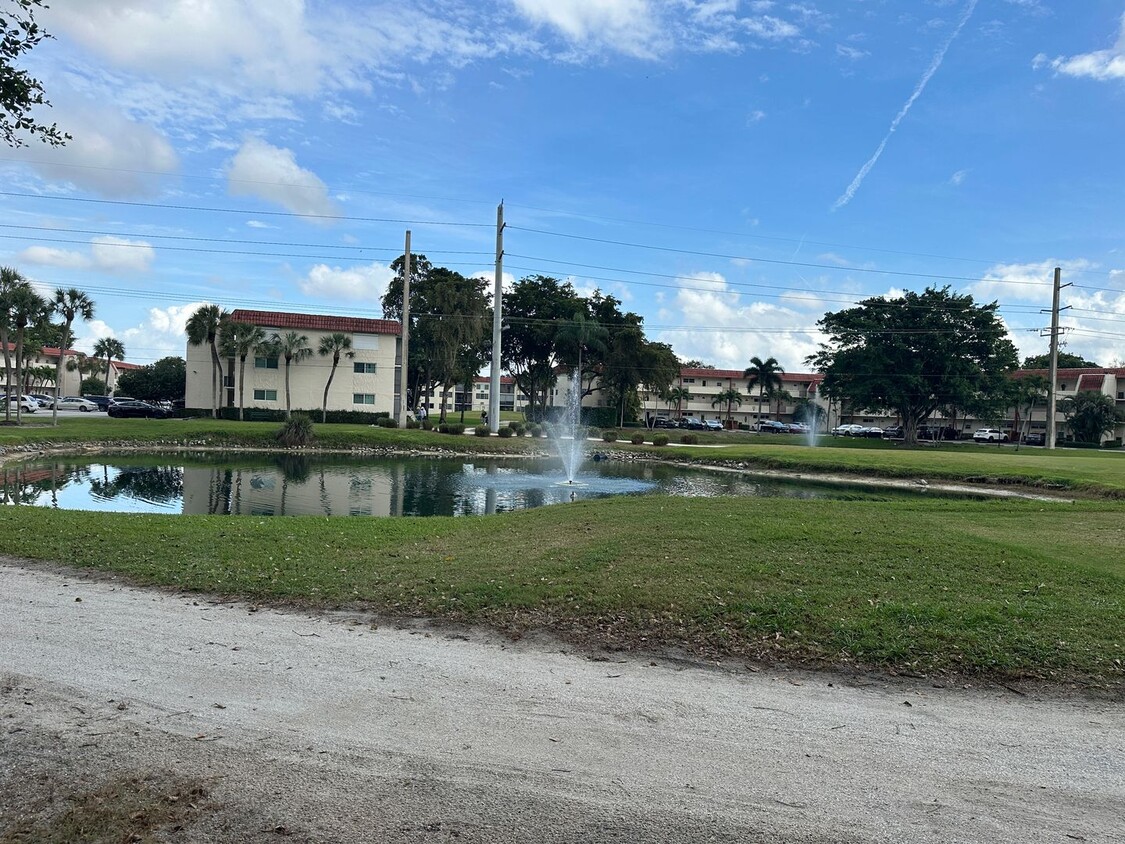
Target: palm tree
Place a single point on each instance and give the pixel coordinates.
(294, 348)
(203, 327)
(1025, 392)
(806, 410)
(84, 365)
(333, 344)
(781, 396)
(765, 375)
(11, 281)
(679, 395)
(109, 347)
(27, 308)
(730, 397)
(69, 304)
(238, 340)
(579, 334)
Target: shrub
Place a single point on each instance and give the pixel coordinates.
(386, 422)
(297, 431)
(536, 430)
(481, 431)
(689, 439)
(455, 428)
(637, 439)
(505, 432)
(517, 428)
(593, 432)
(427, 425)
(660, 439)
(609, 436)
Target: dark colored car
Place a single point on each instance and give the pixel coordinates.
(101, 401)
(135, 409)
(692, 424)
(1035, 438)
(893, 433)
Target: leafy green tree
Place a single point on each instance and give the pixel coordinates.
(335, 344)
(109, 347)
(808, 411)
(729, 398)
(239, 340)
(416, 380)
(165, 380)
(1024, 393)
(1090, 414)
(294, 348)
(204, 326)
(70, 305)
(19, 91)
(914, 354)
(579, 340)
(533, 311)
(695, 363)
(765, 375)
(456, 329)
(1066, 361)
(779, 395)
(92, 387)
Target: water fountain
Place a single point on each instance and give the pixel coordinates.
(569, 433)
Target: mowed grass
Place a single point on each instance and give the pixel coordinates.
(994, 588)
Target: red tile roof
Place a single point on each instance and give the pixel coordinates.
(318, 322)
(1091, 381)
(485, 379)
(799, 377)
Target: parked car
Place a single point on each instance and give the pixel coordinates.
(894, 432)
(771, 426)
(990, 435)
(871, 431)
(663, 422)
(1035, 438)
(798, 428)
(116, 399)
(135, 409)
(692, 424)
(849, 430)
(26, 403)
(76, 403)
(44, 401)
(101, 401)
(713, 425)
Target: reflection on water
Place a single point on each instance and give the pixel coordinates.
(268, 485)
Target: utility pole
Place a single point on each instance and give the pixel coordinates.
(404, 368)
(497, 308)
(1052, 399)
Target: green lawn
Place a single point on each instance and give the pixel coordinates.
(1000, 588)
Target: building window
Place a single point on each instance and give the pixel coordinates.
(1062, 387)
(265, 395)
(265, 363)
(363, 368)
(689, 380)
(363, 398)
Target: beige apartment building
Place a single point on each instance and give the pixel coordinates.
(368, 382)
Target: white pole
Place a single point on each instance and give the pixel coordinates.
(497, 309)
(1051, 397)
(404, 370)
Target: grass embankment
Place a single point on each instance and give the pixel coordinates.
(1008, 589)
(1005, 589)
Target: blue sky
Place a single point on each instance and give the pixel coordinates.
(730, 169)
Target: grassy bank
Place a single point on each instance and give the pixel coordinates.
(1004, 589)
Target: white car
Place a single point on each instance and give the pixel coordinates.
(27, 403)
(990, 435)
(76, 403)
(852, 430)
(713, 425)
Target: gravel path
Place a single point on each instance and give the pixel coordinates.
(327, 729)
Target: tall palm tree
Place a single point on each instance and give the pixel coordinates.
(779, 395)
(11, 282)
(679, 395)
(579, 334)
(109, 347)
(84, 365)
(294, 348)
(69, 304)
(28, 308)
(730, 397)
(333, 344)
(203, 327)
(238, 340)
(765, 375)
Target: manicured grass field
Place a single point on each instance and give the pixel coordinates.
(996, 588)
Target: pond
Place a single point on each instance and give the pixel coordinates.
(333, 485)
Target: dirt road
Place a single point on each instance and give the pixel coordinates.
(324, 729)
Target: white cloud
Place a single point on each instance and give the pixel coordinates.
(272, 173)
(1102, 65)
(958, 177)
(108, 154)
(846, 52)
(630, 26)
(354, 284)
(1025, 282)
(119, 254)
(173, 320)
(108, 254)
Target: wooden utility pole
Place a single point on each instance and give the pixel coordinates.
(497, 309)
(404, 368)
(1052, 399)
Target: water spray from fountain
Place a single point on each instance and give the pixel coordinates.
(569, 432)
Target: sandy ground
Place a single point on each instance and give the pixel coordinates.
(328, 729)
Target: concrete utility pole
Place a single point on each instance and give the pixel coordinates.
(1052, 399)
(497, 308)
(404, 369)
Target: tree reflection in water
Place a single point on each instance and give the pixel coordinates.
(159, 484)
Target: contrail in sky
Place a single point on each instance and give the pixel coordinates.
(918, 89)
